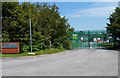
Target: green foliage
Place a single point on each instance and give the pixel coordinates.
(111, 45)
(114, 26)
(49, 29)
(25, 48)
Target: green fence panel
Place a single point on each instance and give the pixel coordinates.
(87, 38)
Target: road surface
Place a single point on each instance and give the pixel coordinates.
(79, 62)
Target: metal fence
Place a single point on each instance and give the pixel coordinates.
(87, 38)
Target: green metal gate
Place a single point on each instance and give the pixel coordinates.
(87, 38)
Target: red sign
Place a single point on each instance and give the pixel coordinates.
(11, 47)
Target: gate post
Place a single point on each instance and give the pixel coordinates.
(88, 39)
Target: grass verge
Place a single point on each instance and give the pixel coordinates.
(47, 51)
(111, 45)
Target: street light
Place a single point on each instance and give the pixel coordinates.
(30, 37)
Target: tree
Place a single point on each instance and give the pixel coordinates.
(7, 17)
(49, 29)
(114, 26)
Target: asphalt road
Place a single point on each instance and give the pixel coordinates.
(80, 62)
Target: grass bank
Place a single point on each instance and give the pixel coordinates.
(41, 52)
(111, 45)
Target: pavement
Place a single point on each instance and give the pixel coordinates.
(78, 62)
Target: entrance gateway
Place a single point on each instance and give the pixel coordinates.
(88, 38)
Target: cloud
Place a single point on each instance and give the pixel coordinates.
(104, 4)
(75, 16)
(98, 11)
(62, 16)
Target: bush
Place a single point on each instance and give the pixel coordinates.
(111, 45)
(24, 47)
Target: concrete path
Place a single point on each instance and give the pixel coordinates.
(80, 62)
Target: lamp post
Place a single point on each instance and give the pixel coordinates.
(30, 37)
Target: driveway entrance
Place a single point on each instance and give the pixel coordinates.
(78, 62)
